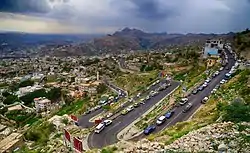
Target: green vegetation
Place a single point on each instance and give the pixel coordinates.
(72, 107)
(52, 94)
(40, 134)
(135, 82)
(232, 109)
(26, 83)
(21, 117)
(109, 150)
(10, 99)
(29, 98)
(102, 88)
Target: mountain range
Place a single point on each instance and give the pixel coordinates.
(124, 40)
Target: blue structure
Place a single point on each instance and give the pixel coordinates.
(214, 52)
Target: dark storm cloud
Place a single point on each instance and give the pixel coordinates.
(151, 9)
(24, 6)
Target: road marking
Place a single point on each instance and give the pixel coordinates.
(171, 120)
(91, 138)
(113, 126)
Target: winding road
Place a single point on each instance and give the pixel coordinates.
(179, 116)
(109, 135)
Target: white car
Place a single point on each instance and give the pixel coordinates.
(130, 108)
(205, 84)
(222, 81)
(161, 120)
(109, 115)
(217, 73)
(183, 101)
(221, 68)
(139, 94)
(208, 80)
(214, 90)
(158, 81)
(107, 122)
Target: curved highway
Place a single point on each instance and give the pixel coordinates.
(194, 99)
(84, 119)
(109, 134)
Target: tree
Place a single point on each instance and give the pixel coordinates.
(237, 112)
(6, 94)
(101, 88)
(29, 98)
(54, 93)
(26, 83)
(10, 99)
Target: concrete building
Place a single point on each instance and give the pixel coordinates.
(213, 48)
(42, 104)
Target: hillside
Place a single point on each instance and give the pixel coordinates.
(133, 39)
(242, 43)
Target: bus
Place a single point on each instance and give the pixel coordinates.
(99, 127)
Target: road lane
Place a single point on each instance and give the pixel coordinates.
(179, 116)
(107, 137)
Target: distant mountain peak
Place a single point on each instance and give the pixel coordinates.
(128, 31)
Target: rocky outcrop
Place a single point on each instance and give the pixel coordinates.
(228, 137)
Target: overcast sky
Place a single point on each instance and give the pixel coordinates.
(107, 16)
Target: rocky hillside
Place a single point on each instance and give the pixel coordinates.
(219, 136)
(242, 43)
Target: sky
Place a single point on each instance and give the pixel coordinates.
(108, 16)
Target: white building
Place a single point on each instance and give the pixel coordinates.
(213, 48)
(42, 104)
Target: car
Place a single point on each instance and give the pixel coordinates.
(136, 105)
(187, 108)
(158, 81)
(227, 68)
(131, 100)
(200, 88)
(222, 81)
(169, 114)
(88, 111)
(142, 102)
(160, 120)
(138, 95)
(124, 112)
(214, 75)
(208, 80)
(221, 68)
(213, 91)
(183, 101)
(109, 115)
(130, 108)
(148, 97)
(99, 128)
(148, 87)
(161, 88)
(107, 122)
(217, 72)
(149, 130)
(205, 85)
(204, 100)
(195, 91)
